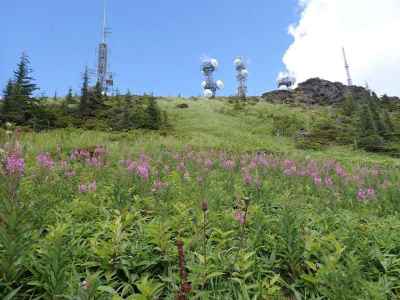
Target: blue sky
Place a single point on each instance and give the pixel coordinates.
(156, 45)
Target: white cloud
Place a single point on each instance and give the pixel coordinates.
(368, 29)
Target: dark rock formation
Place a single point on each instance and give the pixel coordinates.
(316, 91)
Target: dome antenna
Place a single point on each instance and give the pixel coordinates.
(286, 81)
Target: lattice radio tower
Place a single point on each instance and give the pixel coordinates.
(210, 87)
(103, 76)
(347, 68)
(242, 75)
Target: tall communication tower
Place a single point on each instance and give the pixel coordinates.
(210, 87)
(103, 76)
(347, 68)
(242, 75)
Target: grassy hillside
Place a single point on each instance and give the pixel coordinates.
(215, 207)
(214, 124)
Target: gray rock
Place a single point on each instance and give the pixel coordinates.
(316, 91)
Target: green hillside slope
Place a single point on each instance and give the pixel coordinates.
(219, 205)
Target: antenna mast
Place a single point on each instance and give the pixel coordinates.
(103, 77)
(347, 68)
(104, 22)
(242, 74)
(209, 85)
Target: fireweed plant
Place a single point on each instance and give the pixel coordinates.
(101, 222)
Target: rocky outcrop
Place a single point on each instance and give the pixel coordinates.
(316, 91)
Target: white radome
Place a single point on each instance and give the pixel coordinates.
(214, 62)
(244, 73)
(208, 93)
(237, 62)
(220, 84)
(204, 84)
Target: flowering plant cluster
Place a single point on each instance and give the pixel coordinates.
(251, 221)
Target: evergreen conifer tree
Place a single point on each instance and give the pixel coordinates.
(23, 78)
(84, 109)
(375, 110)
(153, 114)
(368, 137)
(7, 102)
(388, 122)
(126, 120)
(349, 106)
(69, 98)
(19, 102)
(97, 97)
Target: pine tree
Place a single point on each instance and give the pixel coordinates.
(349, 106)
(126, 117)
(368, 137)
(19, 103)
(7, 102)
(97, 97)
(69, 98)
(153, 114)
(84, 99)
(375, 110)
(23, 78)
(388, 122)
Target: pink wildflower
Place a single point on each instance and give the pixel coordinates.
(290, 171)
(208, 163)
(371, 193)
(340, 171)
(328, 181)
(131, 166)
(364, 194)
(94, 162)
(70, 173)
(247, 178)
(88, 188)
(45, 161)
(239, 216)
(99, 151)
(317, 180)
(228, 164)
(83, 188)
(14, 164)
(143, 171)
(261, 160)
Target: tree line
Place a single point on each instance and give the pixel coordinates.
(367, 123)
(92, 109)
